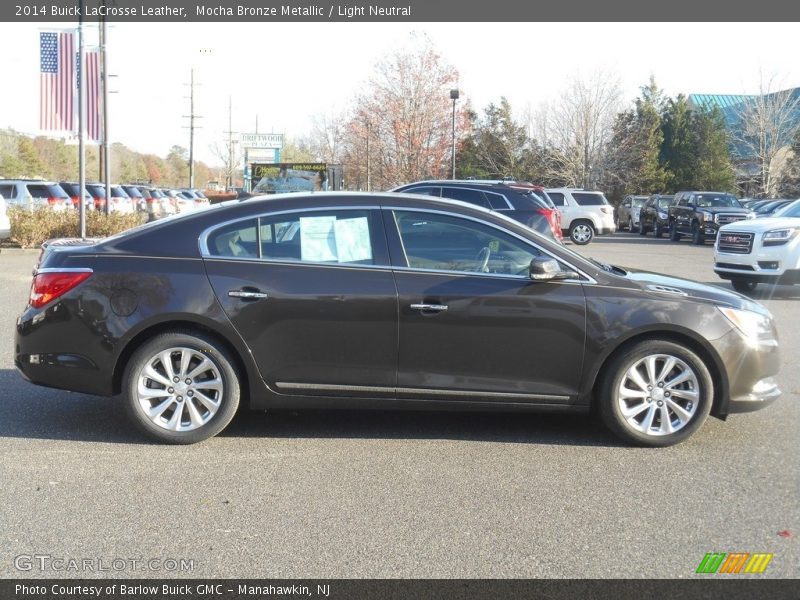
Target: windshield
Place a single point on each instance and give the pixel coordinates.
(664, 203)
(638, 201)
(716, 200)
(791, 211)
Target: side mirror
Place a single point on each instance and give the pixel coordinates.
(544, 268)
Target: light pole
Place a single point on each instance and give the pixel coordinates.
(454, 97)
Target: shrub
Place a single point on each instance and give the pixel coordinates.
(32, 227)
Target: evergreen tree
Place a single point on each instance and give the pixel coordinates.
(679, 149)
(714, 169)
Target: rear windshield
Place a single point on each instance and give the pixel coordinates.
(96, 190)
(132, 191)
(47, 191)
(589, 198)
(118, 192)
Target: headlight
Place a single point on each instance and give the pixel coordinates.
(751, 215)
(708, 216)
(756, 327)
(662, 215)
(776, 237)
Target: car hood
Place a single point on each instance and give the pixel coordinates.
(761, 225)
(666, 285)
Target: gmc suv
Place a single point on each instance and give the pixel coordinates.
(701, 214)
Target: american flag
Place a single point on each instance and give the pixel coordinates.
(92, 112)
(57, 81)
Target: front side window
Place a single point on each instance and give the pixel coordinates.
(447, 243)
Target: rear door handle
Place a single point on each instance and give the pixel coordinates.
(429, 307)
(247, 295)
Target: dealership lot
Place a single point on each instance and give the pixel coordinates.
(399, 494)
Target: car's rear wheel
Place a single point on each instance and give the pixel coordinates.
(181, 388)
(655, 393)
(581, 232)
(743, 285)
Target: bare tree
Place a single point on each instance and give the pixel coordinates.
(580, 126)
(328, 136)
(230, 156)
(405, 117)
(767, 124)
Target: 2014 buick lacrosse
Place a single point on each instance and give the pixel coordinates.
(343, 300)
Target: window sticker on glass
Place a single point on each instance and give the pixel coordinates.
(352, 239)
(317, 239)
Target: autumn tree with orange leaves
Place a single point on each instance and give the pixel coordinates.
(399, 130)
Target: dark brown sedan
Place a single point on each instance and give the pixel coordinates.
(341, 300)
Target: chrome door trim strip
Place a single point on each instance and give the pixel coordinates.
(419, 391)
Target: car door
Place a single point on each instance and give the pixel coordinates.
(473, 325)
(313, 296)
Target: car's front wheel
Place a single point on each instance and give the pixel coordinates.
(698, 237)
(581, 232)
(655, 393)
(181, 388)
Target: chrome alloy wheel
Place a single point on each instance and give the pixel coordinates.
(658, 395)
(179, 389)
(582, 234)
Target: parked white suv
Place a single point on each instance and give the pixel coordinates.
(584, 214)
(34, 193)
(760, 250)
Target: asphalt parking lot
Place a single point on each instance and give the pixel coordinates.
(331, 494)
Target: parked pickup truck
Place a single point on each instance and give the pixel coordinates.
(701, 214)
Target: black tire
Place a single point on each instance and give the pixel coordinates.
(631, 226)
(220, 368)
(743, 285)
(581, 232)
(673, 232)
(657, 230)
(616, 371)
(698, 237)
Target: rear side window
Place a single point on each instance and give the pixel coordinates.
(7, 191)
(425, 191)
(589, 199)
(497, 201)
(557, 198)
(471, 196)
(343, 236)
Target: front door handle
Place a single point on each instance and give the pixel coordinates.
(429, 307)
(247, 295)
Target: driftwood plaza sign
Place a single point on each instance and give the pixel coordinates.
(262, 140)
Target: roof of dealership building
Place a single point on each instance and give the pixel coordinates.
(734, 107)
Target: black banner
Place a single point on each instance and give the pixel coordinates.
(403, 589)
(398, 11)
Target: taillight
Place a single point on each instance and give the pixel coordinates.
(53, 201)
(47, 287)
(607, 209)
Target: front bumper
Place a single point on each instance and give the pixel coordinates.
(606, 230)
(751, 369)
(768, 264)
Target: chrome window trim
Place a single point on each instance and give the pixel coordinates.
(205, 254)
(296, 263)
(589, 279)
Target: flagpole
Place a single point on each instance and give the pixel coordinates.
(81, 133)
